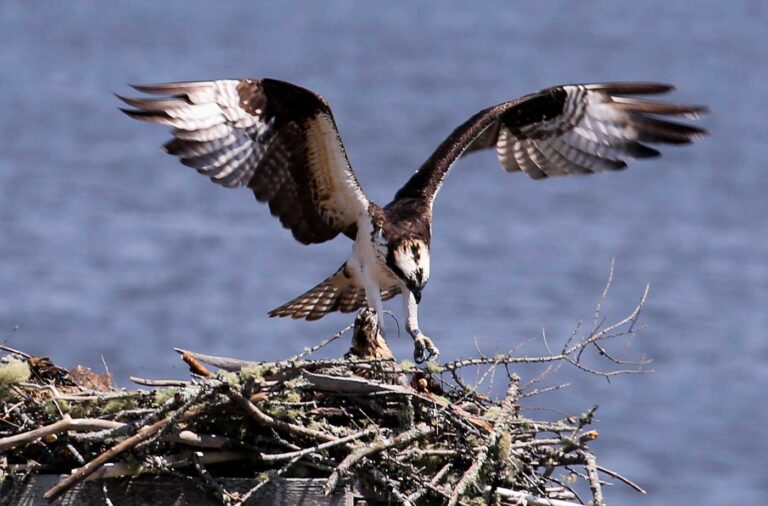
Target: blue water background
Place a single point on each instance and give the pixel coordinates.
(109, 248)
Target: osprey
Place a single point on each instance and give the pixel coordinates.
(281, 141)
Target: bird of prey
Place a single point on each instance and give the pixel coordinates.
(281, 141)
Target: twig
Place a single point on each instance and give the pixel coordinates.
(536, 442)
(621, 478)
(245, 497)
(389, 483)
(606, 332)
(540, 391)
(63, 425)
(590, 464)
(323, 446)
(190, 438)
(213, 485)
(156, 464)
(226, 363)
(435, 452)
(159, 383)
(75, 454)
(603, 296)
(81, 397)
(473, 473)
(268, 421)
(153, 416)
(325, 342)
(530, 500)
(415, 474)
(14, 351)
(185, 411)
(433, 482)
(366, 451)
(83, 472)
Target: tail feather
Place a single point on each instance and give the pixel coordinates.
(336, 293)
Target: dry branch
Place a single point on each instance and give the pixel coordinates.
(366, 451)
(273, 423)
(66, 424)
(82, 473)
(159, 464)
(471, 475)
(323, 446)
(530, 500)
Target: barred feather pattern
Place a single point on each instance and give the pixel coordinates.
(596, 131)
(274, 137)
(563, 130)
(336, 293)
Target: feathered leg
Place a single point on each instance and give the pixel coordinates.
(423, 347)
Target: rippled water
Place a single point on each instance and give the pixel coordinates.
(111, 249)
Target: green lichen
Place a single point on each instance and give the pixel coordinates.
(292, 414)
(433, 367)
(504, 446)
(282, 412)
(12, 373)
(475, 441)
(295, 383)
(493, 412)
(160, 397)
(292, 396)
(120, 404)
(231, 378)
(253, 372)
(407, 366)
(52, 407)
(83, 409)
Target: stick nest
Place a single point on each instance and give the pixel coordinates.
(393, 432)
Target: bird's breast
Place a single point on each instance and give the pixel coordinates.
(370, 254)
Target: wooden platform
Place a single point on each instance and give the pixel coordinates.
(161, 490)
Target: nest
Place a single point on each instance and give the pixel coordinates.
(390, 431)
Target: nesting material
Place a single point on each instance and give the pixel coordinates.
(388, 431)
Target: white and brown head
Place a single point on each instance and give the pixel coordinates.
(409, 260)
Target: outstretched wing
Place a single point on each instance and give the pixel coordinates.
(278, 139)
(571, 129)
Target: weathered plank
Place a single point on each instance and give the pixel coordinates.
(161, 490)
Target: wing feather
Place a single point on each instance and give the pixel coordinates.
(278, 139)
(338, 292)
(569, 129)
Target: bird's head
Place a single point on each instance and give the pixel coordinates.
(410, 261)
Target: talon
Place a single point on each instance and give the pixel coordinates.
(422, 344)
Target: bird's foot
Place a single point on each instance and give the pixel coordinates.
(423, 348)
